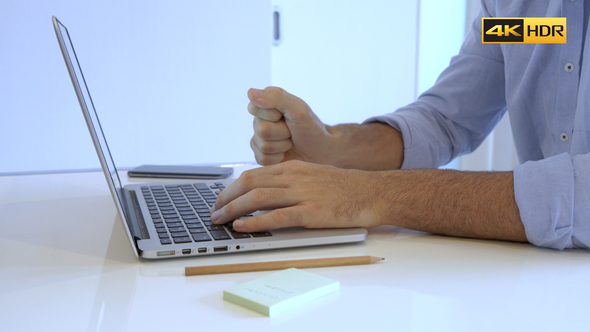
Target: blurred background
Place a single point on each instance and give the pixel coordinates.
(169, 78)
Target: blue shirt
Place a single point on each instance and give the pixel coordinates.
(545, 88)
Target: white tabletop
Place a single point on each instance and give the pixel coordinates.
(66, 265)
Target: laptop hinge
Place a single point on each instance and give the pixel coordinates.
(136, 222)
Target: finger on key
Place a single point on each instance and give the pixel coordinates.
(263, 177)
(253, 200)
(279, 218)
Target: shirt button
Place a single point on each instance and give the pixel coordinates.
(564, 137)
(569, 67)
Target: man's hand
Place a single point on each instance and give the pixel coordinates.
(302, 194)
(465, 204)
(285, 128)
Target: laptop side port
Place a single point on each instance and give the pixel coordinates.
(186, 251)
(202, 250)
(165, 253)
(220, 249)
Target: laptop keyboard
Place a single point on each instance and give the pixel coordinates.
(181, 213)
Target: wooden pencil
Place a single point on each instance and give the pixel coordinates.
(280, 265)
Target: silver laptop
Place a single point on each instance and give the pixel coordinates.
(165, 220)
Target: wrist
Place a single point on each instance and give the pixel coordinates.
(369, 146)
(334, 147)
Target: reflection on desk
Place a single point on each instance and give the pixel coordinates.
(66, 265)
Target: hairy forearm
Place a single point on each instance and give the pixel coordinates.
(371, 146)
(463, 204)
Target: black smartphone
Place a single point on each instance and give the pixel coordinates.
(181, 172)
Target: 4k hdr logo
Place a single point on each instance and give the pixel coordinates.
(528, 30)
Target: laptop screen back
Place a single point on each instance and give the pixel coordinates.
(90, 115)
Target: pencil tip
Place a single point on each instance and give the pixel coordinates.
(376, 259)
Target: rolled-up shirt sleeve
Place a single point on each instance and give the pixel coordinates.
(544, 101)
(454, 116)
(553, 196)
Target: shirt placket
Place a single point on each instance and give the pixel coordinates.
(562, 126)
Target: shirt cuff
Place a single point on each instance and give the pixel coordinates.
(416, 156)
(545, 192)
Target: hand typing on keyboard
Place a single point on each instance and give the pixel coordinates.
(302, 194)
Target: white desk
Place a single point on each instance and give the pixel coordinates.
(66, 265)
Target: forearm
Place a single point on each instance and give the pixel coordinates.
(463, 204)
(370, 146)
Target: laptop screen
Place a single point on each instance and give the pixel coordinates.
(90, 115)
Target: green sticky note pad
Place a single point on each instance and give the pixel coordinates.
(280, 291)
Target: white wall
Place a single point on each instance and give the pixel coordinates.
(348, 60)
(168, 78)
(442, 30)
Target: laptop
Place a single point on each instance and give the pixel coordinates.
(167, 220)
